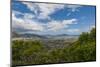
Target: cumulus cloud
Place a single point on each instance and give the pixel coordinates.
(25, 23)
(45, 9)
(29, 16)
(73, 30)
(57, 25)
(42, 11)
(32, 6)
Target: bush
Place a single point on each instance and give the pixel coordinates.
(34, 52)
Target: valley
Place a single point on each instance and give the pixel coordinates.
(50, 41)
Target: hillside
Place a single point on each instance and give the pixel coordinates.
(34, 52)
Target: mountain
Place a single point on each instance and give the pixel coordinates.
(37, 36)
(14, 34)
(31, 35)
(26, 35)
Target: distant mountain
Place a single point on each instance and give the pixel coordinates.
(31, 35)
(60, 35)
(26, 35)
(14, 34)
(37, 36)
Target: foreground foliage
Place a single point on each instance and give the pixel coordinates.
(33, 52)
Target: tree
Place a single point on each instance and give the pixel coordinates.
(93, 34)
(84, 37)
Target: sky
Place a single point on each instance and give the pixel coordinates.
(52, 18)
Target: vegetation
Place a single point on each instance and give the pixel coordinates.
(34, 52)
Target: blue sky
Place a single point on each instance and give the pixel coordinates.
(49, 18)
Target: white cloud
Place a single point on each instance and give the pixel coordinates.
(29, 16)
(73, 8)
(55, 25)
(25, 23)
(73, 30)
(71, 21)
(32, 7)
(68, 14)
(45, 9)
(58, 25)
